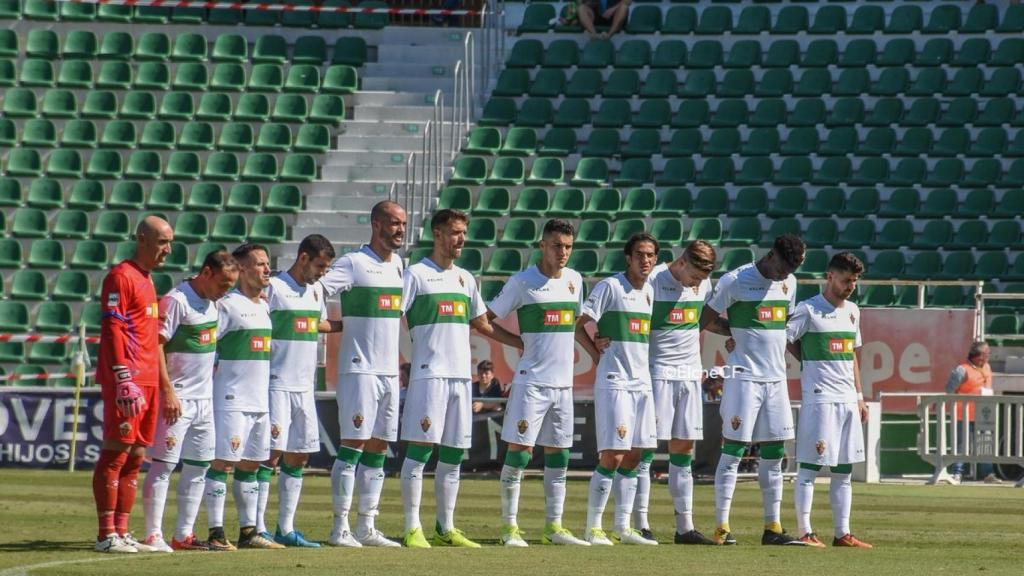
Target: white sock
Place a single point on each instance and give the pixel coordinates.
(263, 476)
(725, 485)
(446, 492)
(369, 485)
(289, 488)
(624, 488)
(597, 499)
(343, 482)
(247, 495)
(643, 496)
(511, 481)
(803, 499)
(190, 496)
(554, 494)
(412, 492)
(216, 498)
(769, 476)
(154, 495)
(840, 495)
(680, 487)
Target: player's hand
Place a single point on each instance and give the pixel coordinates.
(863, 408)
(172, 407)
(730, 345)
(601, 342)
(129, 398)
(477, 407)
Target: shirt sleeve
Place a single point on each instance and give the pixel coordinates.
(322, 297)
(791, 281)
(409, 285)
(171, 314)
(709, 291)
(338, 278)
(507, 300)
(476, 301)
(857, 342)
(956, 378)
(224, 323)
(119, 297)
(595, 305)
(797, 325)
(721, 299)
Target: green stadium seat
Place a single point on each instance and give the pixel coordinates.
(244, 198)
(152, 14)
(24, 162)
(572, 113)
(77, 12)
(13, 316)
(302, 78)
(710, 202)
(205, 197)
(613, 113)
(86, 195)
(820, 233)
(191, 228)
(857, 233)
(229, 228)
(39, 133)
(45, 193)
(143, 165)
(127, 195)
(188, 15)
(525, 54)
(64, 163)
(230, 48)
(814, 265)
(190, 76)
(118, 134)
(707, 229)
(252, 108)
(158, 135)
(546, 172)
(507, 171)
(71, 285)
(743, 231)
(153, 46)
(116, 45)
(114, 74)
(42, 43)
(60, 104)
(481, 232)
(585, 83)
(621, 84)
(238, 136)
(1003, 234)
(138, 106)
(298, 168)
(340, 79)
(498, 112)
(112, 226)
(28, 285)
(1004, 81)
(329, 20)
(567, 203)
(686, 142)
(10, 192)
(520, 233)
(593, 234)
(284, 198)
(266, 78)
(560, 54)
(895, 234)
(638, 203)
(177, 106)
(504, 262)
(990, 142)
(537, 18)
(862, 203)
(221, 166)
(299, 18)
(486, 141)
(603, 203)
(557, 142)
(469, 170)
(101, 104)
(228, 77)
(493, 201)
(46, 254)
(315, 138)
(590, 172)
(957, 266)
(886, 265)
(644, 20)
(633, 53)
(677, 172)
(472, 261)
(623, 230)
(189, 47)
(90, 255)
(531, 202)
(71, 224)
(603, 142)
(547, 82)
(634, 172)
(196, 136)
(455, 198)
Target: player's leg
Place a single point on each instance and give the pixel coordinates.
(164, 455)
(253, 428)
(425, 403)
(611, 447)
(664, 403)
(456, 438)
(370, 473)
(687, 429)
(355, 417)
(739, 407)
(810, 455)
(198, 450)
(127, 481)
(118, 438)
(303, 438)
(849, 449)
(524, 416)
(556, 434)
(643, 439)
(280, 422)
(773, 427)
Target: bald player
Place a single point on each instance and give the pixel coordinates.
(130, 370)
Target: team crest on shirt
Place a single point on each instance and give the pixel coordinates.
(357, 420)
(170, 442)
(236, 443)
(523, 426)
(852, 319)
(462, 282)
(696, 289)
(275, 430)
(736, 422)
(425, 423)
(785, 289)
(819, 446)
(572, 288)
(648, 300)
(621, 431)
(125, 428)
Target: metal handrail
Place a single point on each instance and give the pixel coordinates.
(981, 297)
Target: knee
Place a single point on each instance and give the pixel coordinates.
(624, 5)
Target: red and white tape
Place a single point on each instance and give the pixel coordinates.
(63, 339)
(265, 7)
(42, 376)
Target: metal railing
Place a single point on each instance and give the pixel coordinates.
(981, 297)
(971, 430)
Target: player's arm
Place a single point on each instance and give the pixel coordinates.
(585, 340)
(794, 349)
(712, 321)
(483, 325)
(128, 395)
(861, 405)
(172, 406)
(327, 326)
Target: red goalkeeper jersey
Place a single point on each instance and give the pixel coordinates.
(130, 329)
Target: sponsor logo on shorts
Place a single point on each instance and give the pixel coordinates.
(682, 315)
(840, 345)
(451, 308)
(771, 313)
(170, 442)
(736, 422)
(621, 431)
(275, 431)
(558, 318)
(357, 420)
(306, 325)
(639, 326)
(425, 423)
(236, 443)
(389, 302)
(259, 344)
(125, 428)
(523, 426)
(819, 446)
(208, 336)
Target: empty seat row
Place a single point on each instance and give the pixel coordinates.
(91, 195)
(142, 105)
(821, 53)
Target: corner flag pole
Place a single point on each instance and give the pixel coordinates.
(79, 369)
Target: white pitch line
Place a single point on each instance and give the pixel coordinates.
(26, 569)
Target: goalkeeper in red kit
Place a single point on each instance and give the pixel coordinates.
(131, 372)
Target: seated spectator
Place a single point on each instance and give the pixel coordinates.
(486, 386)
(611, 13)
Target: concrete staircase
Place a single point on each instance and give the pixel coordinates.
(388, 118)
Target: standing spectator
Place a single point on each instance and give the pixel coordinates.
(611, 13)
(487, 386)
(971, 378)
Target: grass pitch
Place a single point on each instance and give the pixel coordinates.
(48, 524)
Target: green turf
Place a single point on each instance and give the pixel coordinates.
(48, 518)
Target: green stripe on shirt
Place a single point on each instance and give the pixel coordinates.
(676, 315)
(547, 317)
(295, 325)
(245, 345)
(827, 346)
(193, 339)
(625, 326)
(762, 315)
(372, 302)
(438, 308)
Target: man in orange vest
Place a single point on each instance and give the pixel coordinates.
(971, 378)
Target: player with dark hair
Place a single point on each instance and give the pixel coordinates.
(824, 334)
(298, 314)
(546, 299)
(758, 299)
(369, 281)
(188, 341)
(130, 371)
(623, 400)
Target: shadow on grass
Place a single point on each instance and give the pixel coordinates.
(45, 546)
